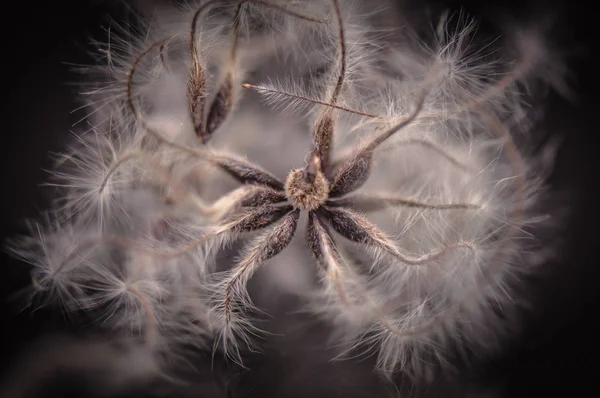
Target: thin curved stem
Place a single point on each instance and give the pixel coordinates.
(136, 113)
(255, 218)
(519, 170)
(355, 171)
(194, 25)
(470, 104)
(151, 335)
(358, 229)
(124, 243)
(376, 202)
(285, 11)
(518, 166)
(332, 263)
(122, 160)
(263, 89)
(413, 141)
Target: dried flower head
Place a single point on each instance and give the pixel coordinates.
(415, 193)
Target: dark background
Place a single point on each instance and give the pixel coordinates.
(560, 350)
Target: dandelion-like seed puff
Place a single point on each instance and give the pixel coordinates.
(414, 192)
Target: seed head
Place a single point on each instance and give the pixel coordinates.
(305, 191)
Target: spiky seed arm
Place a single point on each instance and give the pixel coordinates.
(358, 229)
(322, 144)
(352, 175)
(244, 196)
(321, 244)
(324, 249)
(239, 168)
(197, 78)
(263, 196)
(263, 248)
(220, 107)
(317, 237)
(376, 202)
(223, 102)
(243, 170)
(253, 219)
(325, 122)
(196, 95)
(132, 70)
(247, 221)
(355, 172)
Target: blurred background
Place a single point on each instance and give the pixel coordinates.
(558, 351)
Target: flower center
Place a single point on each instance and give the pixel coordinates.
(304, 193)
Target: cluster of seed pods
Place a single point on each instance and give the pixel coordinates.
(389, 173)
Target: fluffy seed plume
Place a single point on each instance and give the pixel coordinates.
(407, 185)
